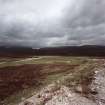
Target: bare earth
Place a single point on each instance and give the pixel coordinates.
(52, 81)
(62, 95)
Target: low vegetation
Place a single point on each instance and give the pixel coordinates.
(22, 78)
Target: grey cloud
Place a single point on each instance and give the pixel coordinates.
(90, 13)
(52, 23)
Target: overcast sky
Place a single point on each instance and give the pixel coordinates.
(44, 23)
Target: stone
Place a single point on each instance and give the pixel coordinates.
(28, 103)
(78, 89)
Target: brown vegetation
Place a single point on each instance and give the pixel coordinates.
(16, 78)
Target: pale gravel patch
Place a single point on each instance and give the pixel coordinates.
(67, 97)
(98, 85)
(63, 96)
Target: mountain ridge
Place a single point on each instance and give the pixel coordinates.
(85, 50)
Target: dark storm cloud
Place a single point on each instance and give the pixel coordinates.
(91, 13)
(52, 23)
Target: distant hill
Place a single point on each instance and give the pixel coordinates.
(87, 50)
(15, 51)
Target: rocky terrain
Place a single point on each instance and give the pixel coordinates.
(61, 96)
(56, 94)
(98, 86)
(53, 80)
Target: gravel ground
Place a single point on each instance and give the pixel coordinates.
(67, 97)
(98, 85)
(62, 95)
